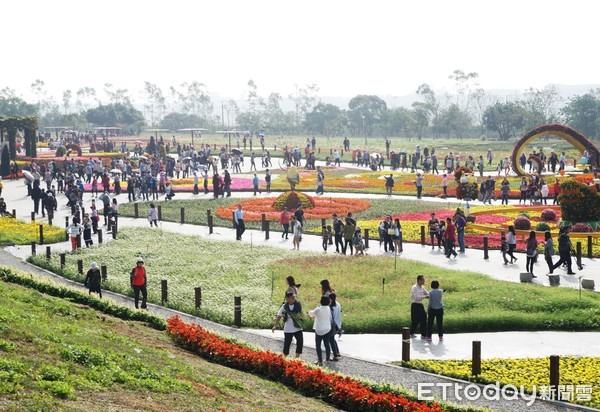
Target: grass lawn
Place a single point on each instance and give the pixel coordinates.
(473, 302)
(195, 211)
(57, 355)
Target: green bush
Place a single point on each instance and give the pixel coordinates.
(542, 227)
(61, 151)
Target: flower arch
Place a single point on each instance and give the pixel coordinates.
(579, 141)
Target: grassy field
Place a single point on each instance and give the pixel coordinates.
(443, 145)
(195, 211)
(57, 355)
(473, 302)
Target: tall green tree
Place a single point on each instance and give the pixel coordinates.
(582, 113)
(155, 102)
(505, 118)
(325, 119)
(541, 106)
(15, 106)
(367, 112)
(115, 114)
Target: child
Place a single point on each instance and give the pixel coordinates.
(357, 240)
(504, 248)
(327, 233)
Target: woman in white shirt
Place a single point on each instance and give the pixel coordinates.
(297, 231)
(322, 327)
(511, 239)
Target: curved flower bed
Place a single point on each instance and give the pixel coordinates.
(335, 389)
(324, 208)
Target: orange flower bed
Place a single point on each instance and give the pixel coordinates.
(324, 208)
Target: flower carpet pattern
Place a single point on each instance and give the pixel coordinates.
(324, 208)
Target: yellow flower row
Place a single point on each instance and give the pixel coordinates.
(577, 371)
(22, 233)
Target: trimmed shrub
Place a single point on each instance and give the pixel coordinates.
(548, 215)
(61, 151)
(522, 223)
(467, 190)
(292, 199)
(542, 227)
(581, 228)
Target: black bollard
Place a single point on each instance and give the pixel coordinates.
(422, 235)
(554, 372)
(80, 266)
(15, 213)
(100, 236)
(48, 253)
(210, 225)
(67, 227)
(589, 248)
(476, 358)
(198, 297)
(578, 254)
(41, 234)
(136, 210)
(401, 245)
(103, 270)
(237, 311)
(79, 241)
(263, 219)
(366, 238)
(182, 221)
(33, 216)
(62, 260)
(485, 248)
(405, 344)
(32, 248)
(164, 292)
(233, 219)
(267, 227)
(159, 207)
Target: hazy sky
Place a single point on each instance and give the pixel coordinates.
(345, 47)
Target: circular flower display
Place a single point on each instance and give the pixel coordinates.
(292, 199)
(522, 223)
(323, 208)
(548, 215)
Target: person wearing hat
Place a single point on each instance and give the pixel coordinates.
(93, 279)
(293, 319)
(138, 281)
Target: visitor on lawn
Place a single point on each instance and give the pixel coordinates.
(93, 280)
(292, 315)
(138, 280)
(435, 311)
(417, 310)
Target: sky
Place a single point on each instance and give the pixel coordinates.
(387, 48)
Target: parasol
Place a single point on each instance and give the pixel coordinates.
(186, 158)
(142, 157)
(116, 171)
(236, 151)
(27, 174)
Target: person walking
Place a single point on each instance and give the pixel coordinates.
(531, 252)
(349, 227)
(460, 222)
(336, 325)
(396, 237)
(435, 311)
(255, 183)
(418, 316)
(297, 232)
(284, 219)
(74, 230)
(240, 227)
(419, 184)
(322, 327)
(93, 280)
(564, 251)
(389, 184)
(338, 229)
(549, 250)
(511, 239)
(138, 280)
(293, 317)
(87, 230)
(449, 238)
(504, 190)
(320, 178)
(153, 215)
(434, 229)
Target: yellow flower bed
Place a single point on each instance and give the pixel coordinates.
(21, 233)
(582, 371)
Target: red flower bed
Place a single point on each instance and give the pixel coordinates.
(340, 391)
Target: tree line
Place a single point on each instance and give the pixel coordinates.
(467, 112)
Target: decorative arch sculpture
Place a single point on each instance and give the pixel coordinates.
(74, 147)
(579, 141)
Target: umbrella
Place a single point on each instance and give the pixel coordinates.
(116, 171)
(236, 151)
(374, 155)
(202, 167)
(142, 157)
(27, 174)
(186, 158)
(261, 135)
(402, 153)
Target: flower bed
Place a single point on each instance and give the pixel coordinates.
(335, 389)
(324, 208)
(22, 233)
(583, 371)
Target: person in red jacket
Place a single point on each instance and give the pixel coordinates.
(138, 282)
(449, 238)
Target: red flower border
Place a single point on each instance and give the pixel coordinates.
(335, 389)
